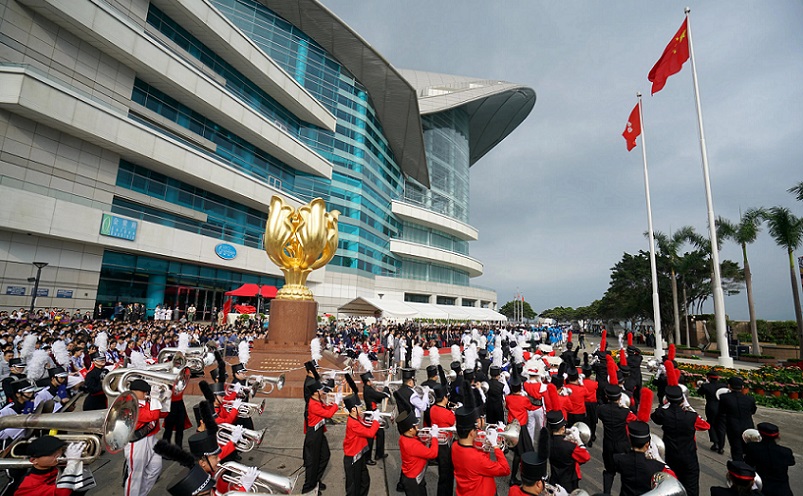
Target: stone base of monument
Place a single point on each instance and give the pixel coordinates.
(293, 324)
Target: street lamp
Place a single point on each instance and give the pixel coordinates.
(39, 267)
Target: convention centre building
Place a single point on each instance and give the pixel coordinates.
(141, 142)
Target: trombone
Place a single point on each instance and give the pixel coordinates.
(267, 482)
(112, 428)
(246, 410)
(251, 439)
(445, 434)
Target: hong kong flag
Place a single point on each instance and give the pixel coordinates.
(632, 129)
(671, 61)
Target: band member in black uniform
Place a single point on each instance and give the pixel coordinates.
(592, 401)
(736, 411)
(708, 390)
(569, 357)
(456, 387)
(565, 456)
(771, 460)
(615, 418)
(472, 388)
(310, 385)
(495, 399)
(741, 477)
(403, 394)
(679, 425)
(634, 359)
(373, 400)
(239, 377)
(22, 393)
(635, 468)
(433, 380)
(484, 365)
(93, 384)
(17, 367)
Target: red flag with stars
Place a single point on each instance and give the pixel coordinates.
(671, 61)
(632, 129)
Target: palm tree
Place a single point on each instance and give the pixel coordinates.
(797, 191)
(745, 233)
(669, 246)
(787, 231)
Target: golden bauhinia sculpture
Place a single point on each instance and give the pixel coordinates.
(299, 241)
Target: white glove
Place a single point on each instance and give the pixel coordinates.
(559, 491)
(434, 430)
(74, 450)
(235, 405)
(493, 437)
(237, 387)
(155, 403)
(237, 434)
(248, 479)
(338, 398)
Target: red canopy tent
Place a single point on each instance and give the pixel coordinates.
(252, 290)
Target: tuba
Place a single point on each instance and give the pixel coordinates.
(664, 484)
(251, 439)
(258, 383)
(266, 482)
(114, 427)
(580, 431)
(657, 449)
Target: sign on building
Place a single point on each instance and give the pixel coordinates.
(118, 227)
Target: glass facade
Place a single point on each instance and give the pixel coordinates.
(426, 271)
(226, 220)
(141, 279)
(365, 177)
(447, 147)
(432, 237)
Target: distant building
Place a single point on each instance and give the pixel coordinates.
(141, 142)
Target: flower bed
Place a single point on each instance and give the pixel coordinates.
(777, 387)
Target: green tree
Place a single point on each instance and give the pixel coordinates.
(787, 231)
(744, 233)
(670, 246)
(561, 314)
(797, 191)
(507, 310)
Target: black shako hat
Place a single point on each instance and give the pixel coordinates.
(238, 367)
(44, 446)
(736, 383)
(16, 362)
(555, 419)
(494, 370)
(193, 482)
(767, 429)
(408, 374)
(465, 418)
(741, 471)
(456, 366)
(613, 392)
(367, 376)
(674, 393)
(432, 371)
(533, 467)
(202, 444)
(351, 401)
(405, 421)
(639, 432)
(440, 392)
(57, 372)
(140, 385)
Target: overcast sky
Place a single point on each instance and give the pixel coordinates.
(560, 199)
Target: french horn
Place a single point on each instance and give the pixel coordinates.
(114, 427)
(657, 449)
(251, 438)
(232, 472)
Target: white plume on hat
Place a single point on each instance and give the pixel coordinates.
(471, 357)
(365, 362)
(102, 342)
(483, 342)
(456, 355)
(434, 356)
(244, 352)
(417, 357)
(36, 365)
(61, 354)
(137, 361)
(183, 341)
(315, 349)
(518, 354)
(28, 346)
(402, 353)
(497, 356)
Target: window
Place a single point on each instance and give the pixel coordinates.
(416, 298)
(446, 300)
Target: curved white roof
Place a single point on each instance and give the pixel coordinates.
(495, 108)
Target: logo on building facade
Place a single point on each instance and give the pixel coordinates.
(226, 251)
(118, 227)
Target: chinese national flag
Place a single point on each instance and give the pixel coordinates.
(671, 61)
(226, 310)
(632, 129)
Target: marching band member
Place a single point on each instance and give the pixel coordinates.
(456, 386)
(534, 469)
(415, 454)
(741, 477)
(93, 384)
(771, 460)
(518, 407)
(207, 423)
(736, 411)
(57, 389)
(442, 416)
(142, 464)
(316, 447)
(577, 399)
(44, 478)
(475, 469)
(679, 426)
(636, 469)
(214, 394)
(373, 399)
(494, 403)
(614, 417)
(708, 390)
(565, 454)
(591, 387)
(17, 368)
(21, 403)
(355, 447)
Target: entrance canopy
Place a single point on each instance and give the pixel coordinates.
(250, 289)
(403, 310)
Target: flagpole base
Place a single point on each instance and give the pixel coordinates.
(726, 362)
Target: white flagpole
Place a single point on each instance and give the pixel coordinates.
(656, 312)
(716, 283)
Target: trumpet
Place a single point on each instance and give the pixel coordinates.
(267, 482)
(251, 439)
(384, 418)
(507, 437)
(445, 434)
(258, 383)
(114, 427)
(246, 410)
(334, 373)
